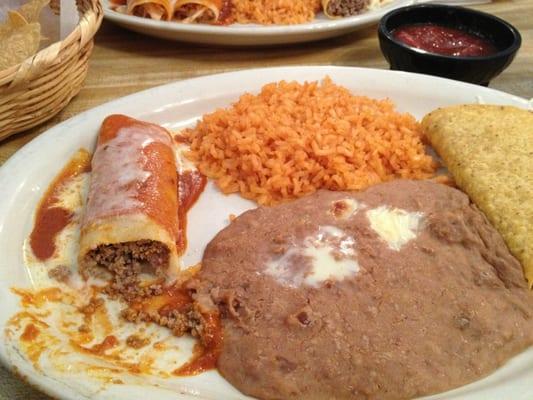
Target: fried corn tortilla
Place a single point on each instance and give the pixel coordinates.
(16, 19)
(21, 43)
(20, 34)
(489, 151)
(31, 11)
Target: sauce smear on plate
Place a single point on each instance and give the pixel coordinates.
(50, 218)
(206, 352)
(191, 184)
(175, 300)
(444, 40)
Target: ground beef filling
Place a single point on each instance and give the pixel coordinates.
(127, 261)
(346, 8)
(137, 342)
(180, 322)
(61, 273)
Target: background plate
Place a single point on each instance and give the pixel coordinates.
(25, 176)
(246, 35)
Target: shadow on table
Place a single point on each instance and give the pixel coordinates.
(14, 388)
(122, 40)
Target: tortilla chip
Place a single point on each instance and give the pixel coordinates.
(31, 11)
(488, 149)
(16, 19)
(18, 44)
(20, 35)
(13, 21)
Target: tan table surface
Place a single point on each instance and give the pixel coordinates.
(124, 62)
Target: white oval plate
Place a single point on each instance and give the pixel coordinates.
(247, 35)
(26, 175)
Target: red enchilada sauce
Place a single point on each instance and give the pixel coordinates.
(206, 352)
(178, 299)
(444, 40)
(50, 218)
(98, 349)
(190, 185)
(31, 332)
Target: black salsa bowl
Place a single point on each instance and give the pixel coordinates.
(474, 69)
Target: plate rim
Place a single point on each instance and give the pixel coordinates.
(327, 69)
(111, 106)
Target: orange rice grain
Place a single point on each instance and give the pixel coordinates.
(292, 139)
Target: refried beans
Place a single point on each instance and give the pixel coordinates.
(399, 291)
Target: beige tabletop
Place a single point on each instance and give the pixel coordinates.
(124, 62)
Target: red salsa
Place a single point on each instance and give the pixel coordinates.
(444, 40)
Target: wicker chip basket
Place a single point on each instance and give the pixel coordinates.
(37, 89)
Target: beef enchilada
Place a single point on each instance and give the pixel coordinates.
(130, 226)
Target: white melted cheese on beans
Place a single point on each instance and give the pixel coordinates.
(117, 171)
(331, 256)
(395, 226)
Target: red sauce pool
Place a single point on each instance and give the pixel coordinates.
(190, 185)
(206, 353)
(180, 139)
(98, 349)
(50, 219)
(176, 299)
(444, 40)
(31, 332)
